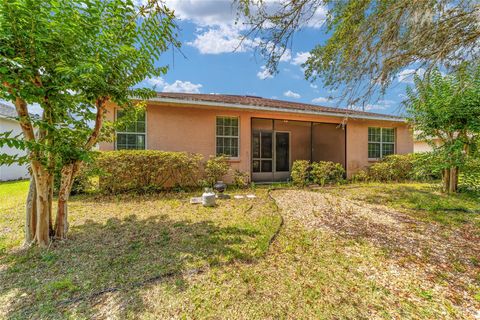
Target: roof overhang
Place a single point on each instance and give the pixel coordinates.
(4, 117)
(274, 109)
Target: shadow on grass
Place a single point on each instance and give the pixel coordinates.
(118, 254)
(429, 204)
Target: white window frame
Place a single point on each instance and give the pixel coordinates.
(381, 142)
(135, 133)
(224, 136)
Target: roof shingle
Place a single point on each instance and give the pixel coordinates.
(270, 103)
(7, 111)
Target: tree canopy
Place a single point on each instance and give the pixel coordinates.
(369, 41)
(72, 57)
(447, 107)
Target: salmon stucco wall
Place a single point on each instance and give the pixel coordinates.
(172, 128)
(192, 129)
(357, 142)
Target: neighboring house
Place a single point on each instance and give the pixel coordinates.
(8, 123)
(424, 146)
(263, 136)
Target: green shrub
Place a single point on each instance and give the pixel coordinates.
(240, 179)
(321, 173)
(381, 171)
(469, 178)
(82, 182)
(216, 168)
(324, 172)
(360, 176)
(147, 169)
(393, 168)
(402, 167)
(299, 174)
(426, 166)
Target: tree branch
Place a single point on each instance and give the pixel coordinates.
(100, 104)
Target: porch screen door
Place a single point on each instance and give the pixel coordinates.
(262, 153)
(270, 155)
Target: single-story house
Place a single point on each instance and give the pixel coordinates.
(263, 137)
(9, 123)
(425, 146)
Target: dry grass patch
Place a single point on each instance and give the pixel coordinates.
(421, 260)
(337, 256)
(119, 243)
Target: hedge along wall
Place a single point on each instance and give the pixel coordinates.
(147, 169)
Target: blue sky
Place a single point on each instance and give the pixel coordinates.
(215, 63)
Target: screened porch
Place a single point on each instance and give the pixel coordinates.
(276, 144)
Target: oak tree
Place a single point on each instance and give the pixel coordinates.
(368, 41)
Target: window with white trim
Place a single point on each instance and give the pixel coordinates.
(131, 136)
(381, 142)
(227, 136)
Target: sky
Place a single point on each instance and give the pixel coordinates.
(214, 62)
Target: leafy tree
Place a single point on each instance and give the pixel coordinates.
(72, 57)
(369, 41)
(447, 107)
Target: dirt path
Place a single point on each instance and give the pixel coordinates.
(443, 259)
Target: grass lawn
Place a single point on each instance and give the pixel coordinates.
(339, 255)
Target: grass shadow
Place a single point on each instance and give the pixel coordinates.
(427, 202)
(116, 254)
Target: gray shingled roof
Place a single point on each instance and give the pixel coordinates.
(7, 111)
(259, 102)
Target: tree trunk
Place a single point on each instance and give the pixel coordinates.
(31, 213)
(51, 232)
(39, 212)
(453, 185)
(68, 175)
(61, 222)
(446, 180)
(70, 171)
(42, 184)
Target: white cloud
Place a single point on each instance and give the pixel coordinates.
(182, 86)
(321, 100)
(223, 12)
(300, 58)
(228, 39)
(406, 75)
(204, 12)
(200, 12)
(219, 26)
(318, 18)
(313, 86)
(159, 83)
(217, 32)
(287, 55)
(155, 82)
(264, 73)
(291, 94)
(221, 40)
(380, 105)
